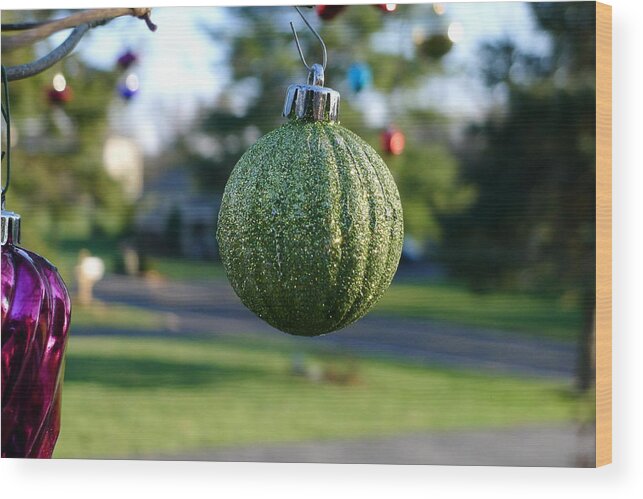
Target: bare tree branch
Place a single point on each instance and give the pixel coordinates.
(22, 26)
(92, 17)
(33, 68)
(82, 22)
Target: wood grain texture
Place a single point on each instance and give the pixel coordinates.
(603, 234)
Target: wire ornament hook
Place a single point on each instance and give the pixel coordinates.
(301, 53)
(6, 116)
(311, 101)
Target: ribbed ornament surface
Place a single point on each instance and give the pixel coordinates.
(310, 228)
(35, 321)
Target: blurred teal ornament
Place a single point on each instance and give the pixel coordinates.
(360, 76)
(310, 228)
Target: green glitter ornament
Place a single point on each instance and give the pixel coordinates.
(310, 228)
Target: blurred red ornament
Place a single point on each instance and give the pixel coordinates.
(59, 92)
(387, 7)
(393, 141)
(63, 96)
(127, 59)
(328, 12)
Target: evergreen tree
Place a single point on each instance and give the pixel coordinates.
(533, 163)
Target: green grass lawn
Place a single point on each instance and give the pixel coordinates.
(116, 317)
(456, 304)
(145, 397)
(187, 270)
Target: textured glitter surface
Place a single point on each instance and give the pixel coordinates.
(310, 229)
(35, 322)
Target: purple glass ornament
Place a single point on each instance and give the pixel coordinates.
(127, 59)
(35, 320)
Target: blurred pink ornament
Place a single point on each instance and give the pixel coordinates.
(393, 141)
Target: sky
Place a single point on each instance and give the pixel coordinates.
(181, 69)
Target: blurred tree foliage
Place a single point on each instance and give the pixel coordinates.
(533, 164)
(58, 183)
(263, 61)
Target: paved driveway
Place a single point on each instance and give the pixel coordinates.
(212, 308)
(530, 446)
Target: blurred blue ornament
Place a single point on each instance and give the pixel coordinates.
(129, 87)
(360, 76)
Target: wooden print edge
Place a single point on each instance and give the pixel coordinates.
(603, 234)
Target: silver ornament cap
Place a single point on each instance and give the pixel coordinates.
(312, 101)
(10, 227)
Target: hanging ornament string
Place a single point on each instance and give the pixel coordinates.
(6, 116)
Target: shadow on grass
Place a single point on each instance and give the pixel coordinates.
(124, 372)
